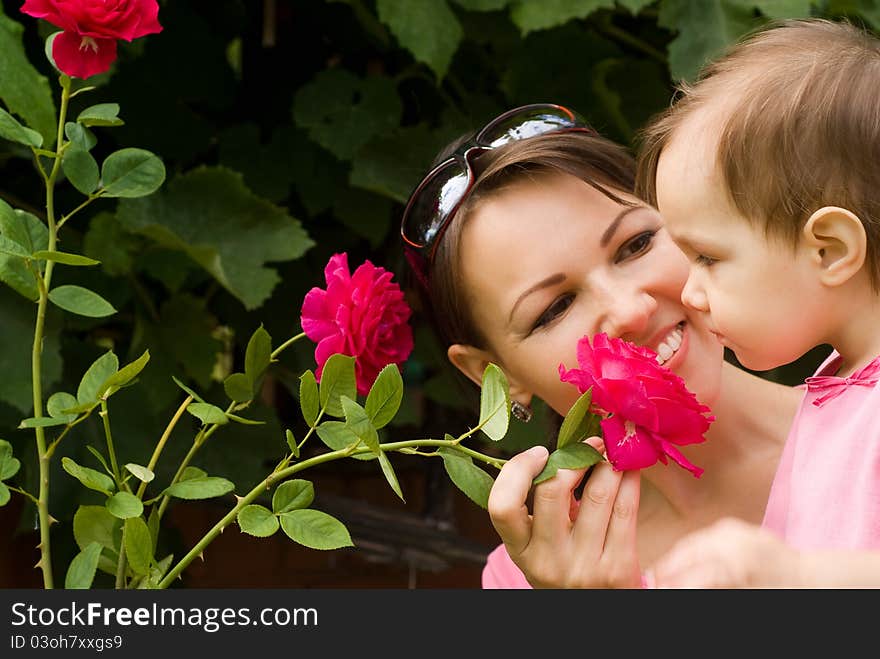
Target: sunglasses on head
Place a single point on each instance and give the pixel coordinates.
(436, 199)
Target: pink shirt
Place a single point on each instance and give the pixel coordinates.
(501, 572)
(826, 493)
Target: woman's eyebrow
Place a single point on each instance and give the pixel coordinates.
(552, 280)
(609, 232)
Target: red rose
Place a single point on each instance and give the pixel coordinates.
(647, 408)
(87, 45)
(363, 315)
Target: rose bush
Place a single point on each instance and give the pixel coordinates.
(363, 315)
(646, 409)
(90, 29)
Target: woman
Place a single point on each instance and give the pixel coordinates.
(527, 238)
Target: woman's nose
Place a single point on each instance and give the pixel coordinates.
(693, 294)
(628, 315)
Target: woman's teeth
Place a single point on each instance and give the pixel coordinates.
(670, 345)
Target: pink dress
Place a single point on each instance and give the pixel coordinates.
(826, 493)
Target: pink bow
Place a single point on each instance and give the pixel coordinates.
(834, 386)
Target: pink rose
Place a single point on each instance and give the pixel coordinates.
(363, 315)
(647, 408)
(87, 45)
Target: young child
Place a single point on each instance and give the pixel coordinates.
(767, 174)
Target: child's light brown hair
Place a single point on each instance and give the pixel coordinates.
(799, 128)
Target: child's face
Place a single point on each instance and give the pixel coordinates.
(760, 296)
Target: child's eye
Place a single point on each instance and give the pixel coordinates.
(641, 243)
(703, 260)
(556, 309)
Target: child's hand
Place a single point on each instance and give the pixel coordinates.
(728, 554)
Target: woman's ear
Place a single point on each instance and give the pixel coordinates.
(838, 244)
(473, 361)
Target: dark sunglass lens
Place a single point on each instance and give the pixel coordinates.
(432, 204)
(524, 124)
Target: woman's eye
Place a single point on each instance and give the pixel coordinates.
(556, 309)
(706, 261)
(641, 243)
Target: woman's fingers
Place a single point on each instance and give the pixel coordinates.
(507, 499)
(551, 523)
(594, 514)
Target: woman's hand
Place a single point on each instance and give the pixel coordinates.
(563, 544)
(729, 554)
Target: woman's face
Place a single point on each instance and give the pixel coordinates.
(550, 260)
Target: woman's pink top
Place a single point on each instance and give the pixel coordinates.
(501, 572)
(826, 493)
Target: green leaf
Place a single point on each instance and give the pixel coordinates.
(315, 529)
(342, 112)
(243, 420)
(131, 173)
(356, 418)
(82, 301)
(293, 495)
(96, 375)
(11, 130)
(123, 376)
(81, 169)
(238, 387)
(9, 465)
(204, 487)
(494, 403)
(207, 413)
(103, 114)
(428, 29)
(29, 232)
(23, 88)
(291, 443)
(577, 421)
(58, 403)
(571, 456)
(390, 476)
(99, 458)
(12, 248)
(42, 422)
(337, 379)
(258, 355)
(337, 435)
(94, 480)
(192, 472)
(65, 258)
(124, 505)
(81, 571)
(467, 476)
(209, 215)
(385, 396)
(257, 521)
(530, 16)
(188, 390)
(5, 494)
(308, 398)
(138, 545)
(96, 524)
(140, 472)
(81, 136)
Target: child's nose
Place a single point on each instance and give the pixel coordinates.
(693, 295)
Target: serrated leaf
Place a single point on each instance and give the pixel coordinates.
(12, 248)
(13, 131)
(125, 505)
(467, 476)
(140, 472)
(95, 376)
(257, 521)
(315, 529)
(207, 413)
(82, 301)
(138, 545)
(293, 495)
(291, 443)
(337, 435)
(81, 571)
(210, 216)
(390, 476)
(258, 355)
(356, 418)
(96, 524)
(29, 232)
(65, 258)
(572, 456)
(428, 29)
(42, 422)
(204, 487)
(494, 403)
(383, 400)
(308, 398)
(94, 480)
(102, 114)
(131, 173)
(337, 379)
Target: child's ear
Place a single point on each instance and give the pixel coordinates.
(473, 361)
(838, 243)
